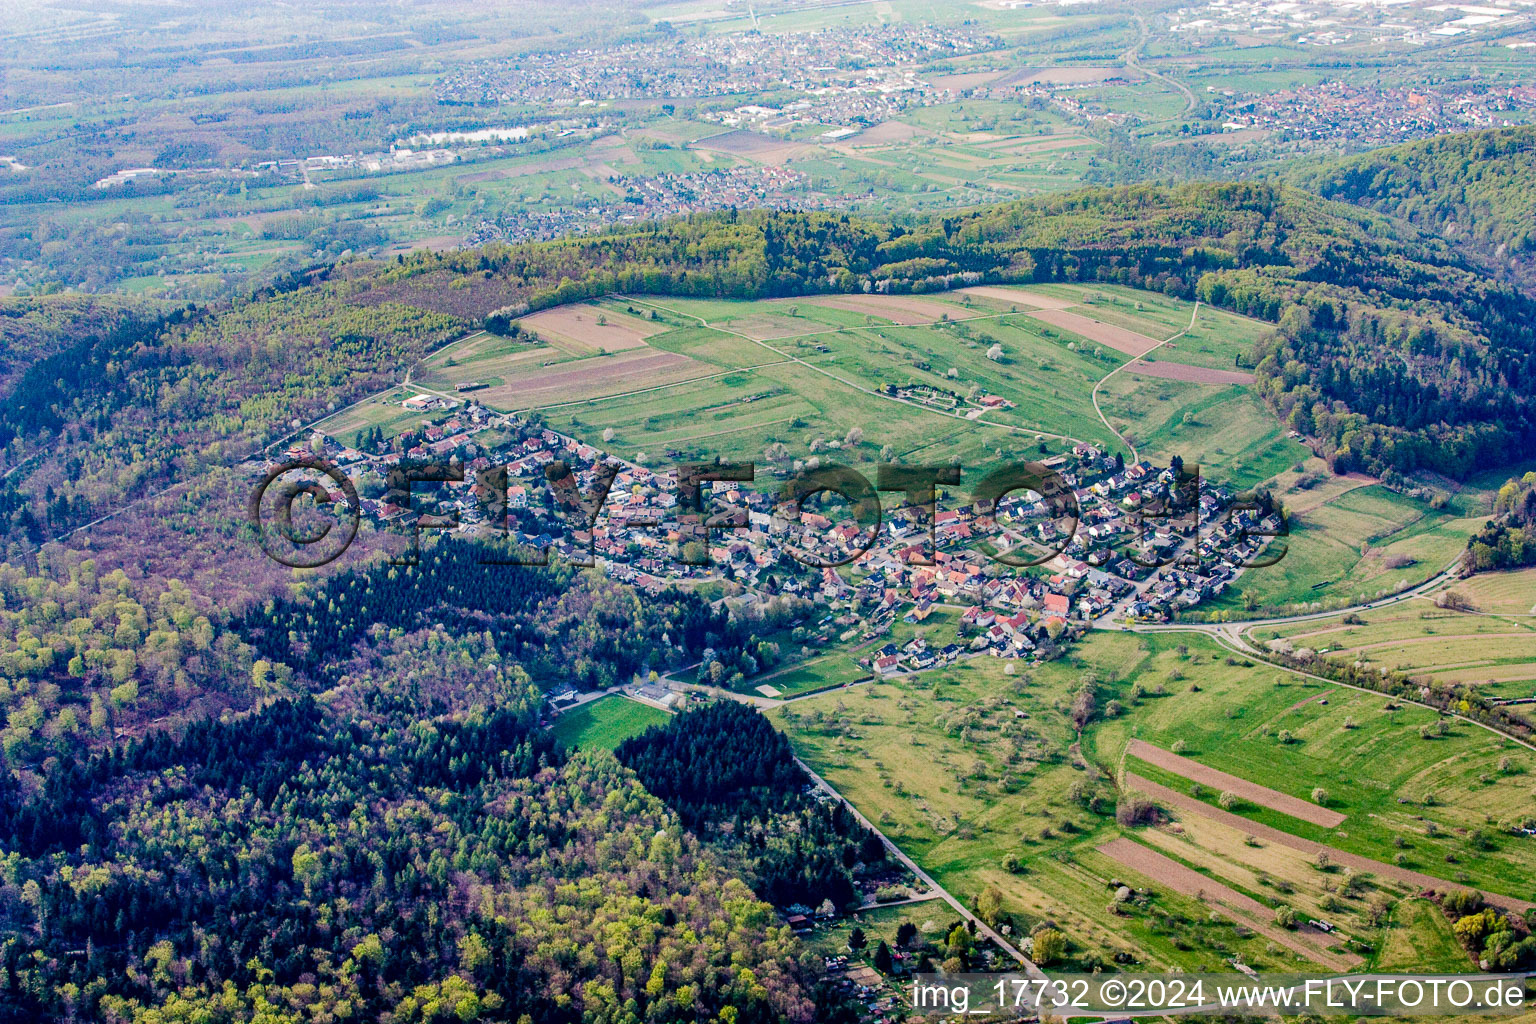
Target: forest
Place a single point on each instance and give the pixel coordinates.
(338, 801)
(557, 623)
(1394, 350)
(1391, 349)
(1417, 357)
(1508, 540)
(303, 863)
(352, 758)
(727, 772)
(1472, 188)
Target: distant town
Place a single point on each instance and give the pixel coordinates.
(862, 61)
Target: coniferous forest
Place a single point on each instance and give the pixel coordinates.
(728, 773)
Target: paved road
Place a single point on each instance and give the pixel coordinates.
(1240, 646)
(1102, 380)
(1233, 636)
(1132, 56)
(982, 928)
(1235, 632)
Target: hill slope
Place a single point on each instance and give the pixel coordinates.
(1394, 350)
(1473, 188)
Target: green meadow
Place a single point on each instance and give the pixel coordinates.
(606, 722)
(979, 773)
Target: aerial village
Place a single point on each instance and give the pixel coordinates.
(1143, 546)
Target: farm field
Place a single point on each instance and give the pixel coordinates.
(530, 386)
(1193, 374)
(1489, 641)
(1328, 858)
(1297, 735)
(1362, 543)
(1223, 428)
(1121, 339)
(829, 670)
(485, 358)
(585, 329)
(1271, 872)
(806, 406)
(697, 377)
(707, 345)
(1212, 338)
(733, 377)
(1307, 942)
(1499, 593)
(1015, 297)
(812, 314)
(975, 772)
(1262, 795)
(1420, 939)
(946, 766)
(383, 411)
(1048, 382)
(606, 722)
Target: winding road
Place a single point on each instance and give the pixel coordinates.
(1130, 57)
(1103, 380)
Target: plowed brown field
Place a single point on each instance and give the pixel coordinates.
(1305, 941)
(1261, 795)
(1117, 338)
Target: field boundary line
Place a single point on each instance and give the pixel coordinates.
(1255, 792)
(912, 865)
(732, 430)
(1135, 457)
(1357, 861)
(790, 357)
(655, 387)
(1218, 895)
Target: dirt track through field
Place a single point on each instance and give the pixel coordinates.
(1193, 374)
(1252, 791)
(1330, 491)
(1305, 941)
(1117, 338)
(1438, 638)
(1173, 798)
(772, 326)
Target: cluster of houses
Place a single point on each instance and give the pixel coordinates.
(941, 398)
(1127, 555)
(872, 58)
(1369, 115)
(1319, 23)
(654, 197)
